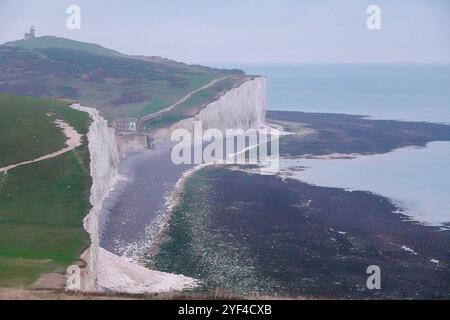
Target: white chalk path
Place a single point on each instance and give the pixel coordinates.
(73, 141)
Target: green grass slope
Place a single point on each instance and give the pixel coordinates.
(27, 129)
(42, 205)
(63, 43)
(118, 85)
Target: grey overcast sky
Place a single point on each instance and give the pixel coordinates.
(246, 31)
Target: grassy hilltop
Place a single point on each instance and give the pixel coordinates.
(117, 84)
(42, 205)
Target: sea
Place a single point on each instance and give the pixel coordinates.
(416, 179)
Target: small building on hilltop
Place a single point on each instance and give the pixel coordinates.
(31, 34)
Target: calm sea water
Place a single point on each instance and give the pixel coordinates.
(400, 92)
(416, 179)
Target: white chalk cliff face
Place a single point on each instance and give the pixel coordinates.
(105, 159)
(105, 271)
(243, 107)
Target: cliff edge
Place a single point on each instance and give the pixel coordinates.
(243, 107)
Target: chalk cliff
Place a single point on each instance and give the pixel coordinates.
(105, 158)
(243, 107)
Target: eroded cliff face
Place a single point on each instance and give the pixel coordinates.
(104, 271)
(243, 107)
(105, 159)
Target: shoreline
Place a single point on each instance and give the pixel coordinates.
(129, 223)
(150, 180)
(172, 200)
(391, 230)
(106, 271)
(153, 234)
(415, 205)
(246, 231)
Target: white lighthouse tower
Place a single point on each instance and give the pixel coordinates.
(31, 34)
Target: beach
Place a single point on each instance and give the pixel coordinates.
(236, 230)
(133, 211)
